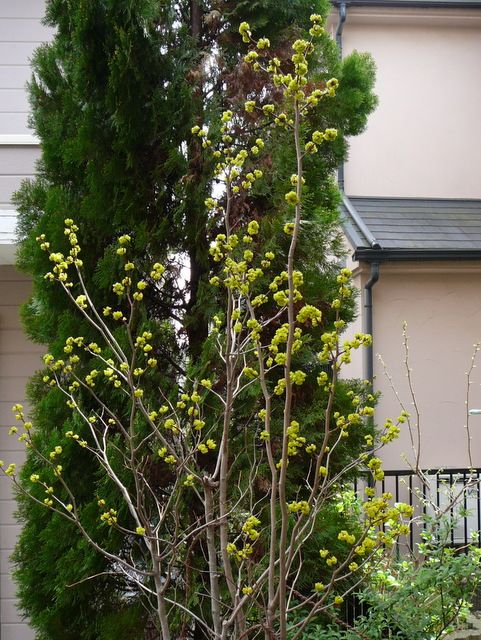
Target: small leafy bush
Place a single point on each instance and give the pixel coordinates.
(421, 598)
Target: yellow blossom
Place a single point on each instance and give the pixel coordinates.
(291, 198)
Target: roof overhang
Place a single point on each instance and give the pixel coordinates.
(381, 229)
(463, 13)
(415, 255)
(421, 4)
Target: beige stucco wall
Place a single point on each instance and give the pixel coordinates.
(441, 302)
(424, 140)
(19, 358)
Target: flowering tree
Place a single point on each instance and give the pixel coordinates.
(169, 441)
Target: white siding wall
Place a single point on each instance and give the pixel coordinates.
(20, 32)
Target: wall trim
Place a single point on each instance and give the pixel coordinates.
(409, 15)
(434, 267)
(8, 248)
(19, 140)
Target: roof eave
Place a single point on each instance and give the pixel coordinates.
(422, 4)
(363, 254)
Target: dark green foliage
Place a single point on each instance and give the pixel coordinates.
(112, 106)
(268, 18)
(114, 97)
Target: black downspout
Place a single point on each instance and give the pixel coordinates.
(369, 353)
(340, 27)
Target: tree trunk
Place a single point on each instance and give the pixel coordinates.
(195, 214)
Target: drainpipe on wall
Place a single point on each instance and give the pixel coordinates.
(369, 353)
(340, 27)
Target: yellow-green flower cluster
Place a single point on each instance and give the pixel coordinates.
(391, 432)
(344, 279)
(171, 425)
(344, 536)
(297, 377)
(317, 29)
(293, 84)
(319, 587)
(294, 440)
(375, 465)
(301, 507)
(249, 528)
(76, 437)
(244, 553)
(239, 275)
(280, 337)
(189, 481)
(143, 342)
(62, 263)
(281, 296)
(245, 31)
(168, 459)
(157, 271)
(11, 469)
(109, 517)
(292, 198)
(331, 560)
(250, 373)
(230, 162)
(209, 445)
(309, 313)
(379, 513)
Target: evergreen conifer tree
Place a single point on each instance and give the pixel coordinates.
(114, 98)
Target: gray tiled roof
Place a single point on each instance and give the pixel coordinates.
(412, 224)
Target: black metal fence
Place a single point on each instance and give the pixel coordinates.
(453, 492)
